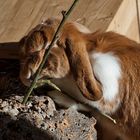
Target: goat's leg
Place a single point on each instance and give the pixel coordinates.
(81, 67)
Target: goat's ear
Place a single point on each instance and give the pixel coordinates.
(35, 42)
(81, 69)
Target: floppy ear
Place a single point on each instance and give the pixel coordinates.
(81, 68)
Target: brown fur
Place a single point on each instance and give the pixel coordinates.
(128, 115)
(33, 49)
(72, 57)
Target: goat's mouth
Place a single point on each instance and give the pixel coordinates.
(26, 77)
(27, 82)
(29, 78)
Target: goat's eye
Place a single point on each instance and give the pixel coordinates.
(33, 57)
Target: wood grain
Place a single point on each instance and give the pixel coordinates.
(19, 16)
(125, 21)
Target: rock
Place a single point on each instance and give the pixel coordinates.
(39, 120)
(71, 125)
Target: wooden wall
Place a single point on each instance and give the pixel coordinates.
(17, 17)
(126, 21)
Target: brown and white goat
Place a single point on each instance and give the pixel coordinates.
(101, 70)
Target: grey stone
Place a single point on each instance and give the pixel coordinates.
(39, 120)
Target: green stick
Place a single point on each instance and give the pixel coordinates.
(65, 16)
(48, 82)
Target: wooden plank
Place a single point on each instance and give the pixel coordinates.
(125, 20)
(9, 50)
(19, 16)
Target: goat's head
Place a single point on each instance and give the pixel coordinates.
(32, 51)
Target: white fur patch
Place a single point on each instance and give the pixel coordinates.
(81, 28)
(47, 45)
(107, 70)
